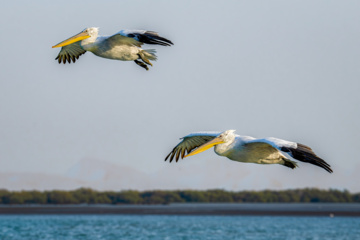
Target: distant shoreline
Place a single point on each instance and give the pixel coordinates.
(228, 209)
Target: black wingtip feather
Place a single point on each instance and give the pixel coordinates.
(289, 164)
(151, 37)
(167, 157)
(70, 54)
(306, 154)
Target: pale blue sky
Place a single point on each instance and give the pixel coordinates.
(286, 69)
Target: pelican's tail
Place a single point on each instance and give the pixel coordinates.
(148, 54)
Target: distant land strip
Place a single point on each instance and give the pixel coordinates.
(225, 209)
(90, 196)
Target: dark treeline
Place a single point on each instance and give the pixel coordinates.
(89, 196)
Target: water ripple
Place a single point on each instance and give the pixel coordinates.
(110, 227)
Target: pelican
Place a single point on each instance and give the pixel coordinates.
(247, 149)
(124, 45)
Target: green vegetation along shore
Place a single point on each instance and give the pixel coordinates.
(89, 196)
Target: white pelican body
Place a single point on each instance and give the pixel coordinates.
(124, 45)
(247, 149)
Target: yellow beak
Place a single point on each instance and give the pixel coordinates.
(206, 146)
(76, 38)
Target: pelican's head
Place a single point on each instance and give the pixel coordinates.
(92, 31)
(227, 136)
(84, 34)
(224, 137)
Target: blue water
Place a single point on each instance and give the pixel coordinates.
(114, 227)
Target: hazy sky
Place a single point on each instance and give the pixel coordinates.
(286, 69)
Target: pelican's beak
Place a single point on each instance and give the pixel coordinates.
(76, 38)
(206, 146)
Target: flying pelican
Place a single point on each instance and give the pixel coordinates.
(124, 45)
(247, 149)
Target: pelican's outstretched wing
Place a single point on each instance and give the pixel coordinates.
(137, 38)
(295, 150)
(70, 52)
(189, 143)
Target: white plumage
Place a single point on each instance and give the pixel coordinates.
(247, 149)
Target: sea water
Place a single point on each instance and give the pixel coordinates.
(113, 227)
